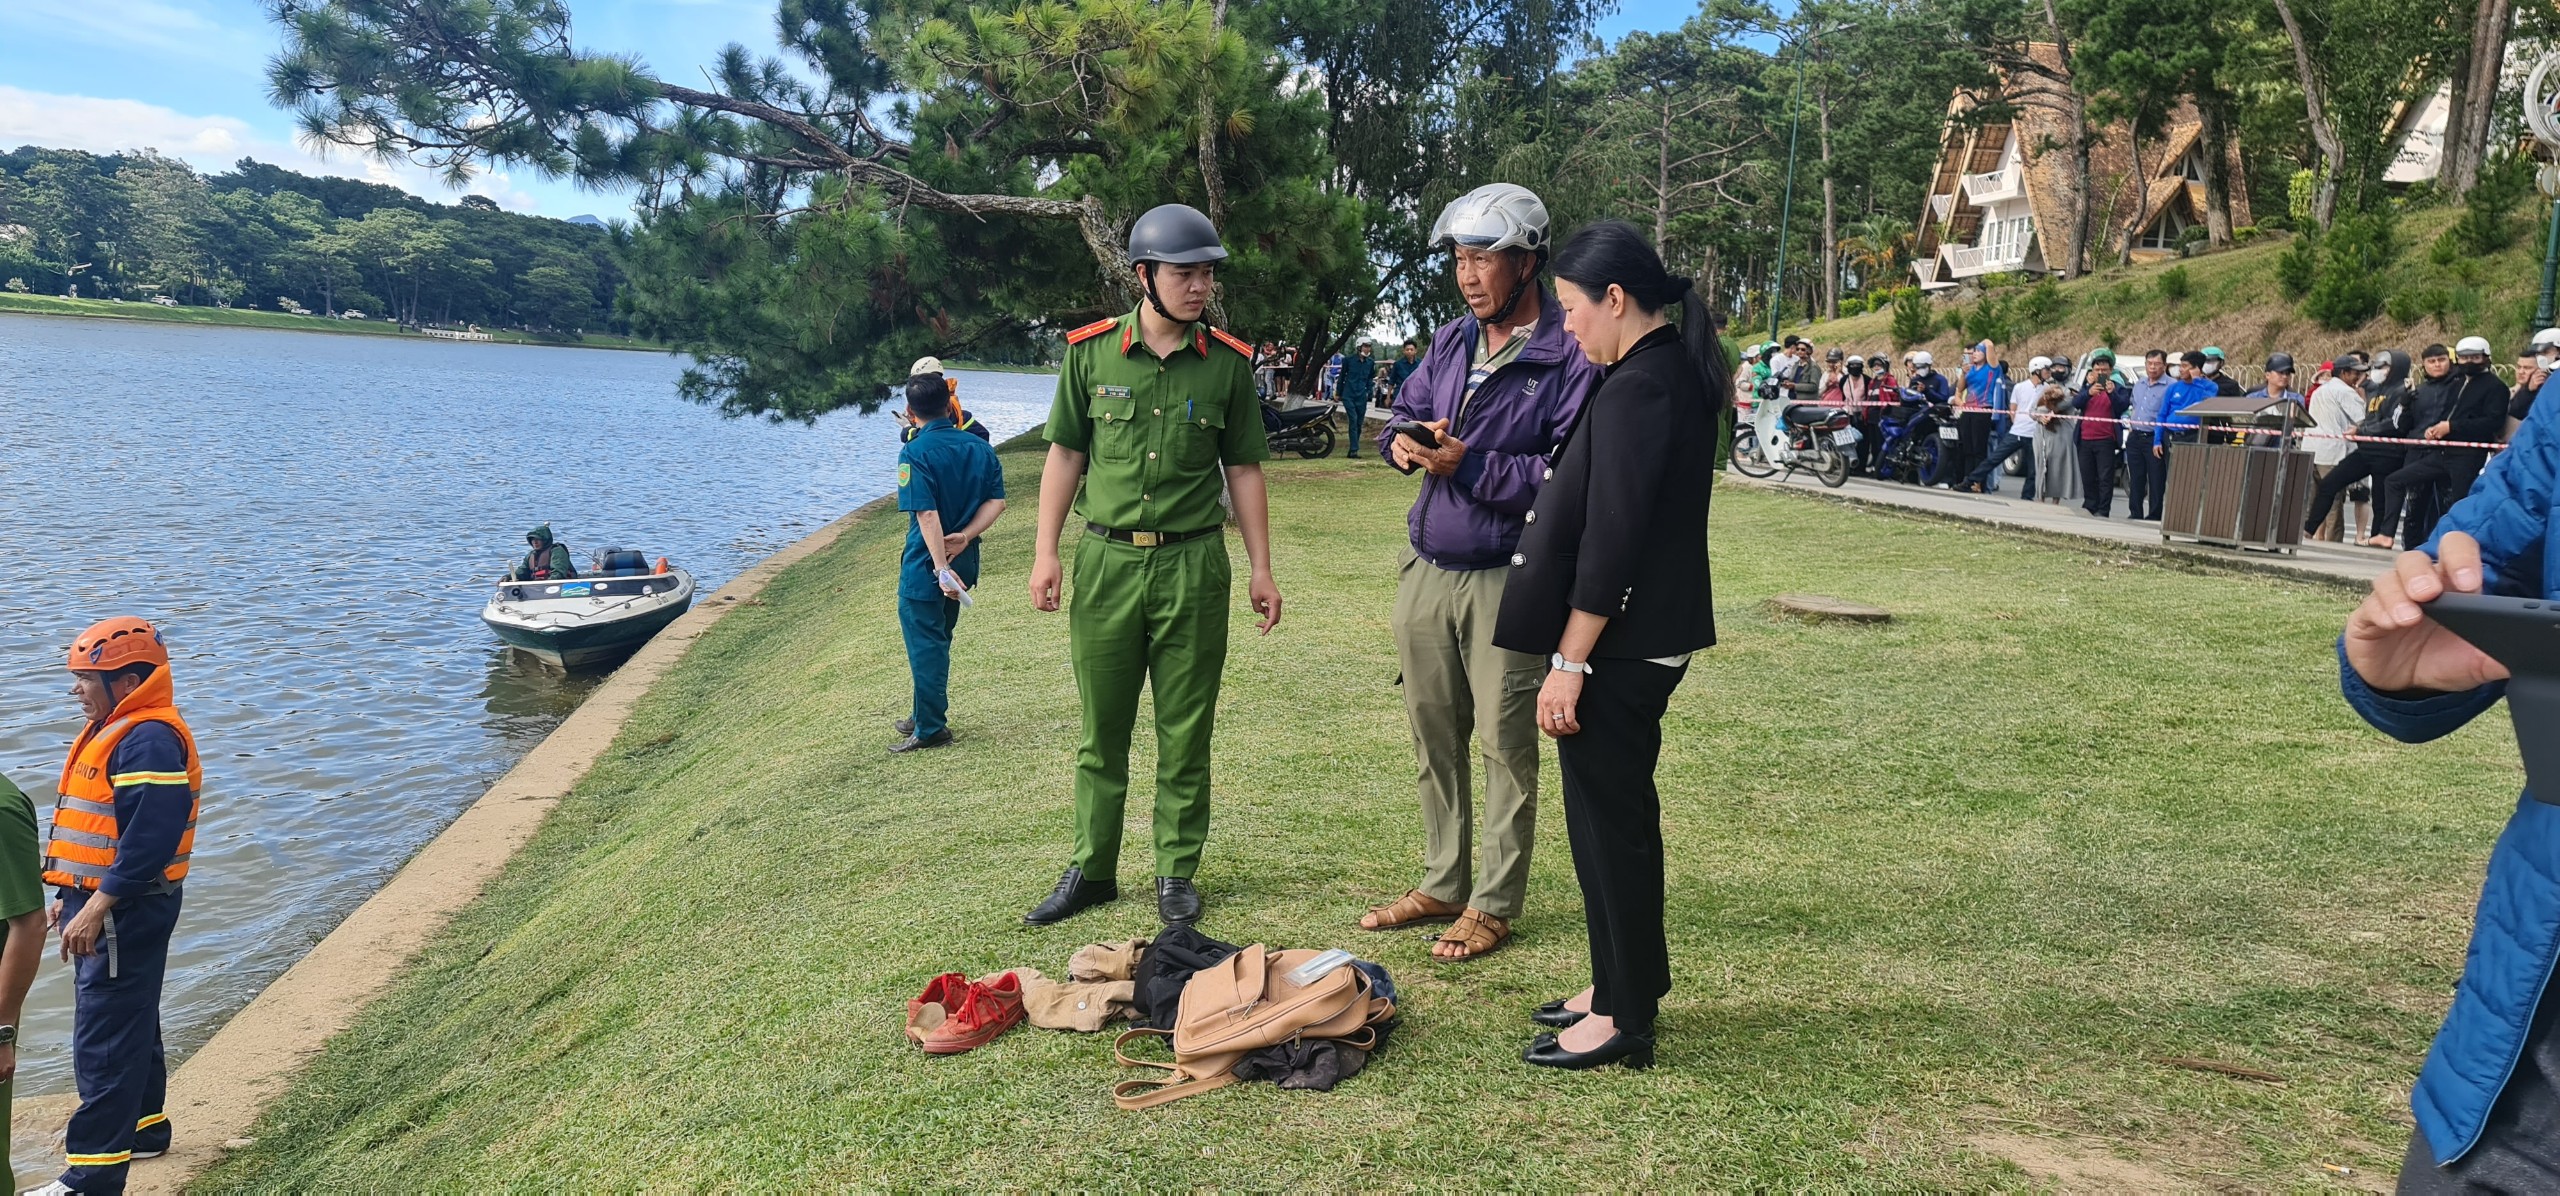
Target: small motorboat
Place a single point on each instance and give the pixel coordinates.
(604, 615)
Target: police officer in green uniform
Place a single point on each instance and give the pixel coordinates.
(1160, 405)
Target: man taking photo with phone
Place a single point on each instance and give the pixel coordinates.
(1494, 395)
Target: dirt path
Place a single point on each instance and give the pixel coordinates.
(218, 1093)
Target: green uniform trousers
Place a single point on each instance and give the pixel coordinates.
(1457, 685)
(1147, 616)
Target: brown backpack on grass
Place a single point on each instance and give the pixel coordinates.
(1243, 1004)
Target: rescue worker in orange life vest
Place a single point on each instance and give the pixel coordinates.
(122, 831)
(547, 559)
(909, 425)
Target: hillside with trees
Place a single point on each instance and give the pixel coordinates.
(141, 226)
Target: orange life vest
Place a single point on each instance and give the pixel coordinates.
(84, 818)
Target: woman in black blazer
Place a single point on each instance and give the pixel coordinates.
(1610, 584)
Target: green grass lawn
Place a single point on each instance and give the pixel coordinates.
(1938, 889)
(55, 305)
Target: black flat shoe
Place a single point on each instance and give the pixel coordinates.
(1176, 901)
(1634, 1051)
(1553, 1013)
(1073, 896)
(941, 738)
(904, 726)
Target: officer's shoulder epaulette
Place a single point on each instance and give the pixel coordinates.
(1092, 330)
(1228, 339)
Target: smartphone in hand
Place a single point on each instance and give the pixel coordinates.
(1418, 433)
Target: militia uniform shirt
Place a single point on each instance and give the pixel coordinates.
(1156, 431)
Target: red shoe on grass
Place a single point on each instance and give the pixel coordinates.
(984, 1011)
(941, 995)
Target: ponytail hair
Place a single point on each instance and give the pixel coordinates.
(1612, 252)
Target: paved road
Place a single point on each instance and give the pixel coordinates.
(2355, 564)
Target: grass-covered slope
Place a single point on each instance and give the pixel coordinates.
(1943, 892)
(2232, 300)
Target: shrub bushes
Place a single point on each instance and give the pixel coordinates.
(1913, 322)
(2176, 285)
(2298, 266)
(2347, 289)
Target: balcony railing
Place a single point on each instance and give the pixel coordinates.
(1968, 260)
(1991, 187)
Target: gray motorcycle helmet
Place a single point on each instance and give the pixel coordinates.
(1175, 234)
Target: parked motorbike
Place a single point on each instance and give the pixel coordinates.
(1913, 438)
(1820, 441)
(1306, 431)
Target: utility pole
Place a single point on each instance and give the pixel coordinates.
(1786, 205)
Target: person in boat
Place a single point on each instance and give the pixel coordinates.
(931, 368)
(546, 560)
(953, 489)
(122, 831)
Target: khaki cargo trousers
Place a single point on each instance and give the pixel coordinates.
(1457, 684)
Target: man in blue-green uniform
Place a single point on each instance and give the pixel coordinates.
(1162, 407)
(950, 483)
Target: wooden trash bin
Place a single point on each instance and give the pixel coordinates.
(2244, 482)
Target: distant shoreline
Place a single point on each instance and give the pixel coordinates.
(233, 317)
(12, 303)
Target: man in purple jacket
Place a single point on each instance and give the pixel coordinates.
(1499, 388)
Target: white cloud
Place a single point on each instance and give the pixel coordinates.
(212, 144)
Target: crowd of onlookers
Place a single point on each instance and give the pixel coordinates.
(1357, 378)
(2398, 444)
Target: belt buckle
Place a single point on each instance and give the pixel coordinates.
(1144, 539)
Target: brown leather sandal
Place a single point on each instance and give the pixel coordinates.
(1415, 908)
(1476, 934)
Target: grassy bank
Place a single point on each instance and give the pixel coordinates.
(232, 317)
(2232, 299)
(1944, 894)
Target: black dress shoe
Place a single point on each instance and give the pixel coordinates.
(1632, 1050)
(941, 738)
(904, 726)
(1176, 901)
(1553, 1013)
(1073, 896)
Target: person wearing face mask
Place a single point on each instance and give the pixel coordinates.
(2372, 456)
(2217, 371)
(2015, 434)
(2460, 402)
(1850, 389)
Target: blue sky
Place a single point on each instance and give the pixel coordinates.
(186, 77)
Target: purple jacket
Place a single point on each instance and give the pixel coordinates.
(1471, 520)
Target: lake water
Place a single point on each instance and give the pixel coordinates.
(311, 520)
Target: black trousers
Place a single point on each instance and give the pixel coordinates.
(2098, 475)
(2146, 478)
(2432, 481)
(2517, 1152)
(1613, 816)
(2360, 464)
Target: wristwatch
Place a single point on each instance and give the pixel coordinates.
(1558, 663)
(8, 1036)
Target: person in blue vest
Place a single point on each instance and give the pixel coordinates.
(2487, 1098)
(953, 488)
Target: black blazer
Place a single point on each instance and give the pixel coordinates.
(1620, 527)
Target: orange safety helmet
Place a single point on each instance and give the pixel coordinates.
(116, 643)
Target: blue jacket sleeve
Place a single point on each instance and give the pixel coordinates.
(151, 811)
(2413, 720)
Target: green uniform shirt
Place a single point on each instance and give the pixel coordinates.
(21, 860)
(1156, 432)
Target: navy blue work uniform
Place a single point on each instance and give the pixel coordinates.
(117, 1057)
(949, 471)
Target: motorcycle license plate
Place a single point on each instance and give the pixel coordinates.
(1845, 437)
(1946, 433)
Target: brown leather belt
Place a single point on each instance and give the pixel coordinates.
(1147, 539)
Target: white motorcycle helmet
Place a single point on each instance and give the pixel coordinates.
(1493, 216)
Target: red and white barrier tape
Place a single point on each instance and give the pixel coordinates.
(2299, 433)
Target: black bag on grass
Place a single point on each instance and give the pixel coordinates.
(1168, 965)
